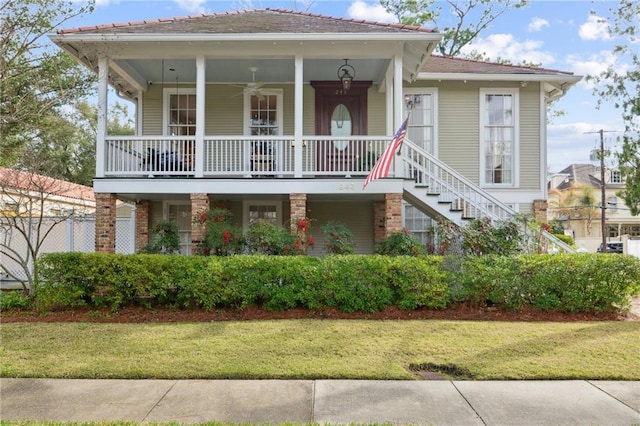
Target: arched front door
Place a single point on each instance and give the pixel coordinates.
(342, 114)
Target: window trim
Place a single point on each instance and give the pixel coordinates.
(247, 203)
(166, 205)
(166, 93)
(433, 91)
(279, 93)
(515, 93)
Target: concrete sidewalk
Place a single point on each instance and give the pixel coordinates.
(332, 401)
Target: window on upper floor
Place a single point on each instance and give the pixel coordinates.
(422, 127)
(616, 176)
(180, 112)
(612, 203)
(499, 117)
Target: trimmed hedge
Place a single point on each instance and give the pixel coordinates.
(351, 283)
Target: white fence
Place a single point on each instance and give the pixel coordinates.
(74, 234)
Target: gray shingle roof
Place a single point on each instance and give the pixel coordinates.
(442, 64)
(580, 174)
(249, 22)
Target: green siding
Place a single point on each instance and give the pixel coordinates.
(357, 216)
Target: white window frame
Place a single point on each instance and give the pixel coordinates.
(616, 177)
(433, 92)
(247, 122)
(247, 109)
(166, 94)
(515, 93)
(248, 203)
(165, 215)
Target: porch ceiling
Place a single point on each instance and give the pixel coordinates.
(237, 70)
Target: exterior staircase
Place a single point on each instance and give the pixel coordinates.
(442, 193)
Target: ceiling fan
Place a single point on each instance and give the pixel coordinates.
(253, 87)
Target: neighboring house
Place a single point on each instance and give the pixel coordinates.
(280, 115)
(575, 198)
(29, 194)
(55, 214)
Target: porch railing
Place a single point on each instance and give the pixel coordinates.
(241, 156)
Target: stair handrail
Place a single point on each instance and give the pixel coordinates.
(507, 212)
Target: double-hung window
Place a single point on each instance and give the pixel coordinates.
(422, 127)
(263, 117)
(499, 118)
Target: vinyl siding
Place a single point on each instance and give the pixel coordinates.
(376, 120)
(459, 121)
(530, 155)
(152, 114)
(357, 216)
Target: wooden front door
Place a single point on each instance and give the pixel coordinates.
(339, 113)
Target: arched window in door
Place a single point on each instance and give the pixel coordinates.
(341, 125)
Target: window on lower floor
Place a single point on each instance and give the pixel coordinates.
(255, 211)
(181, 215)
(419, 224)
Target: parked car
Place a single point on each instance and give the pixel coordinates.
(612, 247)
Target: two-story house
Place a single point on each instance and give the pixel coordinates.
(575, 199)
(280, 115)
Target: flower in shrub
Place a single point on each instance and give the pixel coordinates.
(221, 238)
(311, 241)
(303, 225)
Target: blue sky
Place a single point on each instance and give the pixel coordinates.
(563, 35)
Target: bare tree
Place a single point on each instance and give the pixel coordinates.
(31, 207)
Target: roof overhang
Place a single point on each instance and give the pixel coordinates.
(555, 85)
(415, 49)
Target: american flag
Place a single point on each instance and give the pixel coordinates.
(381, 168)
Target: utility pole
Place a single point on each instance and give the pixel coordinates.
(603, 202)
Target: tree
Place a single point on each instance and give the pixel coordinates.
(577, 203)
(33, 206)
(620, 84)
(36, 80)
(63, 145)
(482, 12)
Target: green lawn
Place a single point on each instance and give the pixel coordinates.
(312, 349)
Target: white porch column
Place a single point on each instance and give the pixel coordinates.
(200, 103)
(298, 118)
(398, 108)
(139, 110)
(101, 129)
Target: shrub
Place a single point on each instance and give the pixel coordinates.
(568, 239)
(401, 243)
(339, 239)
(221, 238)
(263, 237)
(14, 299)
(419, 283)
(482, 237)
(165, 238)
(351, 283)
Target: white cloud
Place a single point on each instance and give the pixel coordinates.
(537, 24)
(596, 28)
(595, 64)
(191, 6)
(506, 46)
(371, 12)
